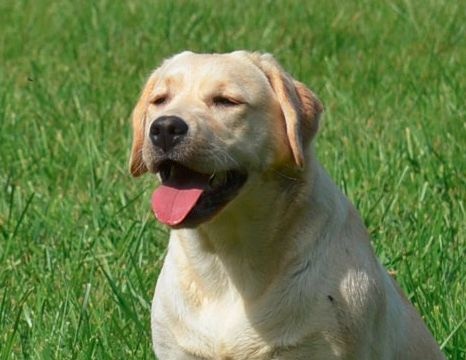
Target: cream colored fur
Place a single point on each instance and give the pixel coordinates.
(286, 269)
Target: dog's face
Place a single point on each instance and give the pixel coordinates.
(208, 123)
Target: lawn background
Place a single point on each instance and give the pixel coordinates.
(79, 248)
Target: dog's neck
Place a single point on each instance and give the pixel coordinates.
(240, 251)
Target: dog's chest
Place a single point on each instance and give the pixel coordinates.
(229, 330)
(222, 330)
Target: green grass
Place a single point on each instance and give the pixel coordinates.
(79, 248)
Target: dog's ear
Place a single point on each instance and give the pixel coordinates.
(301, 108)
(136, 164)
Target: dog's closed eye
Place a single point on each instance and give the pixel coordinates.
(225, 101)
(159, 100)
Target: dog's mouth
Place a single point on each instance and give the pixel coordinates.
(187, 198)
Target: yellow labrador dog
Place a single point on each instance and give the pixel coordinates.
(267, 259)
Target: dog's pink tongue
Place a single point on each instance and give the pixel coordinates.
(172, 205)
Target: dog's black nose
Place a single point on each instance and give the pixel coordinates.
(167, 131)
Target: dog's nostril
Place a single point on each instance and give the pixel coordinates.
(154, 130)
(167, 131)
(178, 128)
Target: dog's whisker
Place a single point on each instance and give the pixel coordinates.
(218, 149)
(279, 173)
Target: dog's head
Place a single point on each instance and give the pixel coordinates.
(206, 122)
